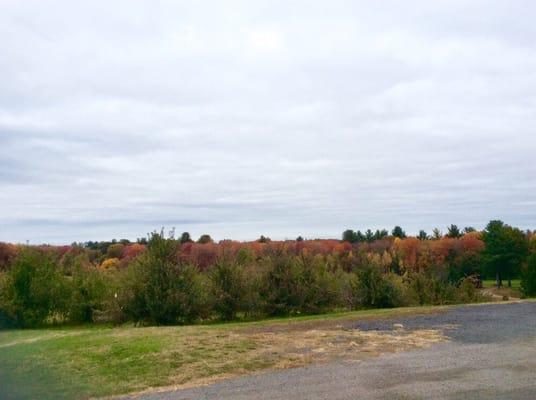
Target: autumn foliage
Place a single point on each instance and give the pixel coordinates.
(186, 280)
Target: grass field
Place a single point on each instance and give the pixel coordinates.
(516, 283)
(82, 362)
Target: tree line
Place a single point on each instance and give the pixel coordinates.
(169, 280)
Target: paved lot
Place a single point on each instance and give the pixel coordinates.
(492, 355)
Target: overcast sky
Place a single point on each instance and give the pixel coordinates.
(282, 118)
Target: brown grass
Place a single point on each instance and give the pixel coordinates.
(299, 347)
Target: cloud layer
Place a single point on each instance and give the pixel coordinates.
(244, 118)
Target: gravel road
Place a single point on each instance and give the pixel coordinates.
(491, 355)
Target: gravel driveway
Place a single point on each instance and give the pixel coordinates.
(492, 355)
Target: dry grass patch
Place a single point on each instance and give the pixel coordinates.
(297, 348)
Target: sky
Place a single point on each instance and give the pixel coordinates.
(281, 118)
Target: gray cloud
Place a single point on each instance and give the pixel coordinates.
(282, 118)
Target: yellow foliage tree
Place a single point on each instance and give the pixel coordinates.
(109, 264)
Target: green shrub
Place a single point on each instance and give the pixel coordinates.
(427, 289)
(371, 287)
(466, 292)
(33, 290)
(528, 281)
(279, 287)
(318, 288)
(6, 321)
(254, 306)
(158, 289)
(228, 288)
(88, 295)
(245, 256)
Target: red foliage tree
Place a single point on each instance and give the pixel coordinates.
(8, 252)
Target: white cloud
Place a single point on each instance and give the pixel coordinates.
(242, 118)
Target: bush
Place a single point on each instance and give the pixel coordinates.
(228, 289)
(528, 281)
(370, 287)
(467, 292)
(72, 260)
(429, 289)
(88, 295)
(318, 288)
(158, 289)
(245, 256)
(5, 320)
(33, 290)
(279, 289)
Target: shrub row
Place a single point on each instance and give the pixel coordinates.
(158, 287)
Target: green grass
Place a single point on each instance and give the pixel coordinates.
(82, 362)
(489, 283)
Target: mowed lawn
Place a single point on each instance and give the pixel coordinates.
(82, 362)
